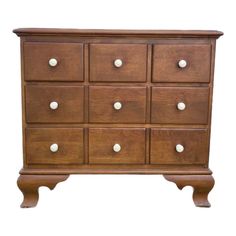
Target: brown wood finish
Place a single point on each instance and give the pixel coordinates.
(118, 33)
(68, 55)
(117, 169)
(69, 141)
(102, 99)
(165, 100)
(166, 58)
(29, 185)
(133, 56)
(202, 185)
(164, 141)
(70, 101)
(85, 83)
(101, 142)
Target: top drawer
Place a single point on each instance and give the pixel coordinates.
(53, 61)
(181, 63)
(118, 62)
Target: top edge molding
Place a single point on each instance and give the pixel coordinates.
(117, 33)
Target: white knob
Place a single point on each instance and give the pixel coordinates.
(54, 147)
(118, 63)
(117, 105)
(54, 105)
(116, 147)
(182, 63)
(179, 148)
(181, 106)
(52, 62)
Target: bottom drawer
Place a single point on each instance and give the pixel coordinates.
(178, 146)
(54, 146)
(117, 146)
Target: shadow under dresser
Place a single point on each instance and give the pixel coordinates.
(116, 102)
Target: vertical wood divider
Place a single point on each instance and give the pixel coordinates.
(211, 85)
(23, 101)
(148, 101)
(86, 101)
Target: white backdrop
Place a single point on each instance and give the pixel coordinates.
(118, 205)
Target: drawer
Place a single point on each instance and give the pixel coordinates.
(182, 105)
(117, 104)
(117, 146)
(118, 62)
(54, 146)
(53, 61)
(176, 146)
(181, 63)
(54, 104)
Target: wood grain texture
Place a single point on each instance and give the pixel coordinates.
(164, 141)
(165, 100)
(166, 58)
(202, 185)
(69, 98)
(133, 56)
(68, 55)
(29, 185)
(101, 142)
(86, 84)
(69, 140)
(102, 99)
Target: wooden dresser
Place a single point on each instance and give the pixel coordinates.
(116, 102)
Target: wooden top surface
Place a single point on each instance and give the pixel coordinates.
(118, 33)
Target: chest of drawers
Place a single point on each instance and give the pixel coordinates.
(116, 102)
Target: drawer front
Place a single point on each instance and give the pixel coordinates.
(117, 104)
(181, 63)
(117, 146)
(66, 63)
(182, 105)
(54, 104)
(173, 146)
(42, 145)
(118, 62)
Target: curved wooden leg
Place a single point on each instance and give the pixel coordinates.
(202, 185)
(29, 184)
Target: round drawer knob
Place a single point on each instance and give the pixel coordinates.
(53, 105)
(116, 147)
(182, 63)
(117, 105)
(118, 63)
(54, 147)
(179, 148)
(52, 62)
(181, 106)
